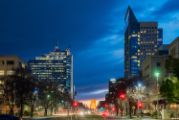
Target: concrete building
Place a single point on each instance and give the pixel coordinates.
(55, 66)
(141, 39)
(8, 65)
(158, 62)
(150, 66)
(174, 48)
(154, 63)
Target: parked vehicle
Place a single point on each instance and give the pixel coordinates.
(9, 117)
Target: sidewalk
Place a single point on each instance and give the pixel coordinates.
(133, 118)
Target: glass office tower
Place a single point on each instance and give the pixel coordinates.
(55, 66)
(141, 39)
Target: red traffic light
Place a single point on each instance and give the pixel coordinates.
(105, 114)
(122, 96)
(139, 104)
(106, 105)
(75, 103)
(113, 109)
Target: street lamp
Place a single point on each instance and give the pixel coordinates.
(157, 75)
(48, 96)
(139, 86)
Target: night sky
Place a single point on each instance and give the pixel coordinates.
(93, 29)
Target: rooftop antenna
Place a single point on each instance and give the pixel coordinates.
(57, 46)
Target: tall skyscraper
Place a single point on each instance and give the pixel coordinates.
(141, 39)
(55, 66)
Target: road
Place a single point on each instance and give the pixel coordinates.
(87, 117)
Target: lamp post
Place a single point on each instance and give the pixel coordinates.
(48, 96)
(138, 96)
(157, 74)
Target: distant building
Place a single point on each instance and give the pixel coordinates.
(174, 48)
(111, 96)
(115, 87)
(55, 66)
(141, 39)
(8, 65)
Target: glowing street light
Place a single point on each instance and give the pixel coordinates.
(157, 75)
(139, 85)
(139, 103)
(48, 96)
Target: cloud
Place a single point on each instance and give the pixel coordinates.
(107, 47)
(170, 30)
(96, 92)
(170, 6)
(103, 56)
(38, 25)
(103, 59)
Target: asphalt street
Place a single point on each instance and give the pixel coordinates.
(88, 117)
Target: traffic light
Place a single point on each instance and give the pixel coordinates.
(113, 109)
(122, 96)
(75, 103)
(106, 105)
(139, 104)
(105, 114)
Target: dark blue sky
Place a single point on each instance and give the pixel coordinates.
(93, 28)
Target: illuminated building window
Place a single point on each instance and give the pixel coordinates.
(1, 72)
(1, 82)
(10, 72)
(1, 92)
(134, 35)
(133, 57)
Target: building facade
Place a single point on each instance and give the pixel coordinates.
(150, 66)
(55, 66)
(8, 65)
(174, 48)
(158, 62)
(141, 39)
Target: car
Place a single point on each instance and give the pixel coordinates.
(9, 117)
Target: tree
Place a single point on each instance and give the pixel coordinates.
(24, 87)
(9, 92)
(49, 95)
(33, 97)
(169, 88)
(18, 89)
(166, 90)
(172, 66)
